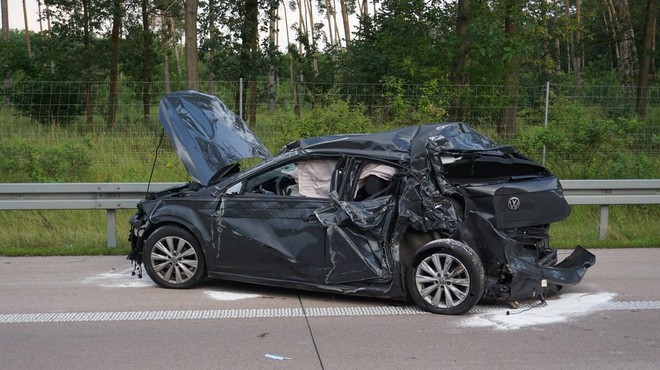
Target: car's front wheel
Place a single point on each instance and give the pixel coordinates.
(447, 277)
(173, 258)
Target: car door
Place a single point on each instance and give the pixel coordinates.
(359, 221)
(270, 229)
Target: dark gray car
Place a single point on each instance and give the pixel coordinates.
(437, 213)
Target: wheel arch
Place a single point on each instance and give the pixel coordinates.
(185, 225)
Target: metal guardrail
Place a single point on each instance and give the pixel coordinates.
(113, 196)
(610, 192)
(83, 196)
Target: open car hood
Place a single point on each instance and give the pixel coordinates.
(206, 135)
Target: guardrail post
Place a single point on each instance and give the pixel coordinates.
(112, 228)
(604, 218)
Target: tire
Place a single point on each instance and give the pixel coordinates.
(173, 258)
(445, 277)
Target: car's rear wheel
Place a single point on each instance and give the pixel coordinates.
(447, 277)
(173, 258)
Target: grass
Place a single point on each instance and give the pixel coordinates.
(57, 233)
(628, 226)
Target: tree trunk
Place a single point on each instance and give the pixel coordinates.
(506, 122)
(5, 38)
(623, 36)
(315, 63)
(175, 36)
(347, 27)
(146, 73)
(610, 25)
(645, 64)
(41, 26)
(250, 49)
(166, 54)
(114, 60)
(272, 91)
(292, 68)
(302, 26)
(328, 16)
(364, 8)
(459, 79)
(48, 25)
(192, 74)
(569, 42)
(294, 85)
(213, 35)
(334, 21)
(629, 66)
(5, 20)
(577, 44)
(87, 68)
(27, 30)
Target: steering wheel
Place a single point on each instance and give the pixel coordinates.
(279, 187)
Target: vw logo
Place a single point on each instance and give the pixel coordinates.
(513, 203)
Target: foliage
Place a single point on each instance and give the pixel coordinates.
(47, 86)
(333, 116)
(49, 102)
(30, 161)
(603, 148)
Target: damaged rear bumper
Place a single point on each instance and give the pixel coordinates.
(527, 280)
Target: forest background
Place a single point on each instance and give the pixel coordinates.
(572, 83)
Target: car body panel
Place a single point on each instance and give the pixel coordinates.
(206, 135)
(254, 237)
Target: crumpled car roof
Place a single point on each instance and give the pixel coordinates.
(403, 143)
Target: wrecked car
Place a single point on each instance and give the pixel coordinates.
(435, 213)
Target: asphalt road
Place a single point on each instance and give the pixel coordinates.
(90, 313)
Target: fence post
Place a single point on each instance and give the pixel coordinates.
(112, 228)
(547, 108)
(240, 97)
(604, 219)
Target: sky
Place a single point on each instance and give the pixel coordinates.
(16, 14)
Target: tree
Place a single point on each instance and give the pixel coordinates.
(192, 73)
(146, 71)
(506, 122)
(5, 38)
(383, 44)
(117, 15)
(271, 48)
(5, 20)
(645, 63)
(623, 36)
(459, 78)
(27, 30)
(345, 19)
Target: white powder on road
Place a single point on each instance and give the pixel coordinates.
(559, 309)
(121, 278)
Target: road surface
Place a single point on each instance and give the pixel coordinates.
(90, 313)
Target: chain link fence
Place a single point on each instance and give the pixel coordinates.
(77, 131)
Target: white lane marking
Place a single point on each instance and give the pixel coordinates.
(272, 313)
(219, 295)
